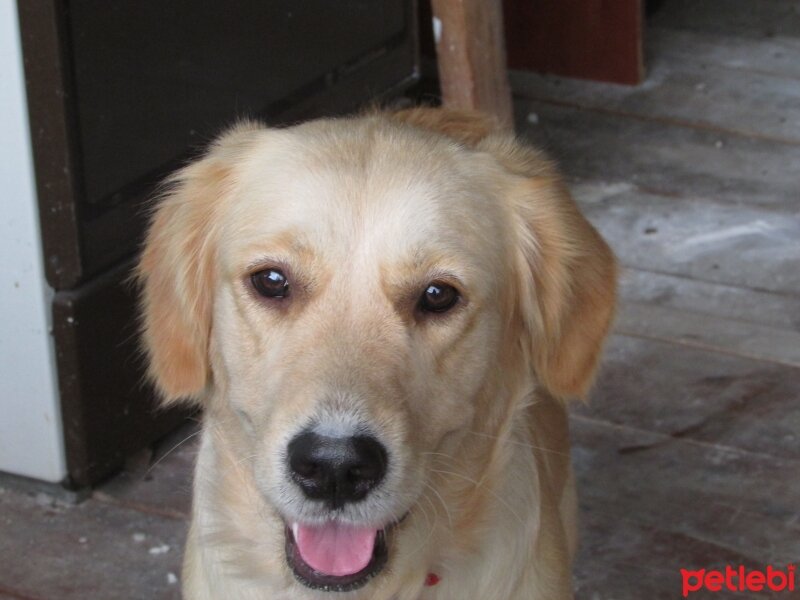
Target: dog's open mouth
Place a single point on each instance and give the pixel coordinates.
(335, 557)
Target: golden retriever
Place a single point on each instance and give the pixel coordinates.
(381, 317)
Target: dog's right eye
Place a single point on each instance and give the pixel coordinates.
(438, 298)
(270, 283)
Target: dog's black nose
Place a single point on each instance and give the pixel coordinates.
(336, 470)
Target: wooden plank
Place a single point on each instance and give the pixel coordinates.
(686, 93)
(709, 331)
(700, 238)
(677, 505)
(723, 301)
(90, 550)
(664, 157)
(777, 56)
(471, 55)
(691, 91)
(620, 559)
(695, 394)
(575, 38)
(10, 594)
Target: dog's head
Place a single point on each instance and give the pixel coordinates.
(350, 298)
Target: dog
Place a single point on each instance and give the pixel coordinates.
(382, 317)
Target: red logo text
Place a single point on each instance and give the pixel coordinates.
(739, 580)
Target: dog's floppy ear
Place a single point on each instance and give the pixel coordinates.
(566, 274)
(176, 270)
(566, 285)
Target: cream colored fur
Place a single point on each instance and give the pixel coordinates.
(361, 214)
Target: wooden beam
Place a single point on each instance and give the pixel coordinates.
(470, 50)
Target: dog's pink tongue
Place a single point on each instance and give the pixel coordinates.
(334, 548)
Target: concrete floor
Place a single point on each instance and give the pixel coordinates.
(688, 454)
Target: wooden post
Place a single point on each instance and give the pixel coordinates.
(470, 49)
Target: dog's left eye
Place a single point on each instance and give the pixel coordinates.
(438, 298)
(270, 283)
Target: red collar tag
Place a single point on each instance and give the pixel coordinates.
(432, 579)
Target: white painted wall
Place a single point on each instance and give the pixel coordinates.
(31, 441)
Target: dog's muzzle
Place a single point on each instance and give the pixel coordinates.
(335, 471)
